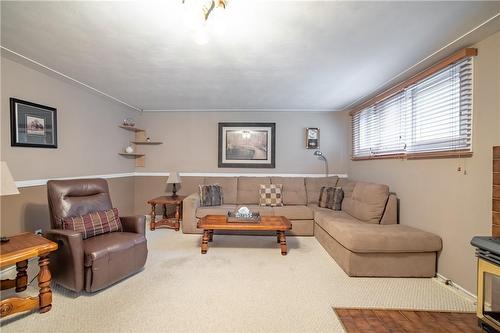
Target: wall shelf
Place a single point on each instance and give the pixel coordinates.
(139, 139)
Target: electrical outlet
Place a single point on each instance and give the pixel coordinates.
(38, 232)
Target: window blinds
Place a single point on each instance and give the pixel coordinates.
(432, 115)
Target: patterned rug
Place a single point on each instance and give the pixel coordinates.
(388, 321)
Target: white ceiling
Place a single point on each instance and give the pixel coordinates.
(261, 55)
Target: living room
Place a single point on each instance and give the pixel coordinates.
(363, 137)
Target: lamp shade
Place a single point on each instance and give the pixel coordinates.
(174, 178)
(8, 186)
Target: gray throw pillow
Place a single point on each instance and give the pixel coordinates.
(210, 195)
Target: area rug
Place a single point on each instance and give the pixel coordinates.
(407, 321)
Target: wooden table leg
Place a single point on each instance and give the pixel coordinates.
(283, 246)
(211, 236)
(277, 237)
(153, 217)
(44, 279)
(164, 211)
(22, 276)
(177, 217)
(204, 241)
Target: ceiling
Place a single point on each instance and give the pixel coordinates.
(260, 55)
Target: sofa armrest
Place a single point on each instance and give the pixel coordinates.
(189, 220)
(135, 224)
(66, 264)
(391, 210)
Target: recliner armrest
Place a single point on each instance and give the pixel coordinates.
(135, 224)
(66, 264)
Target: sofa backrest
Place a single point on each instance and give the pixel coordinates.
(229, 187)
(248, 189)
(366, 201)
(314, 184)
(293, 190)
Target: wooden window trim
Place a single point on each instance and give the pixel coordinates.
(415, 156)
(457, 56)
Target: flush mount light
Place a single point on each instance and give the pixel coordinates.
(207, 6)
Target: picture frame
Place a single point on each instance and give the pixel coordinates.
(312, 138)
(247, 145)
(32, 125)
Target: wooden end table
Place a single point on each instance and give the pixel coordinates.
(171, 222)
(17, 251)
(209, 223)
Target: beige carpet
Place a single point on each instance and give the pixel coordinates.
(243, 284)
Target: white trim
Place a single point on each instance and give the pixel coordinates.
(237, 174)
(41, 182)
(72, 79)
(249, 109)
(456, 287)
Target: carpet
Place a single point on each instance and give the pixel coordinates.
(406, 321)
(243, 284)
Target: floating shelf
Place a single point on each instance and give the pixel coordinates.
(131, 128)
(132, 154)
(139, 139)
(146, 142)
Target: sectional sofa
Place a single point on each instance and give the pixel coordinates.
(364, 237)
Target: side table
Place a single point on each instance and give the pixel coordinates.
(171, 222)
(17, 251)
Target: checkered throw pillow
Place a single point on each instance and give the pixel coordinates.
(270, 195)
(95, 223)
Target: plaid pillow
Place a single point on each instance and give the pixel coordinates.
(331, 197)
(210, 195)
(95, 223)
(270, 195)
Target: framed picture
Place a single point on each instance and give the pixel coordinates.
(312, 138)
(32, 125)
(247, 145)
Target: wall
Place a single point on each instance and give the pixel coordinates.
(88, 136)
(190, 140)
(434, 196)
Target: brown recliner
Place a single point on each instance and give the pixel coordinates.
(97, 262)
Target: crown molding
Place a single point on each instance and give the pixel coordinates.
(251, 109)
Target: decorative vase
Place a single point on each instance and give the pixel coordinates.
(129, 150)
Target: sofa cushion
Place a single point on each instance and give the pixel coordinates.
(229, 187)
(95, 223)
(367, 202)
(262, 210)
(214, 210)
(347, 186)
(293, 190)
(248, 189)
(270, 195)
(294, 212)
(363, 237)
(314, 184)
(112, 247)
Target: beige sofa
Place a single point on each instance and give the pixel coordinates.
(364, 237)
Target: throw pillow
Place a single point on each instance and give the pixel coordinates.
(210, 195)
(95, 223)
(270, 195)
(331, 197)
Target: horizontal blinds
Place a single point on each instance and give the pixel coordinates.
(433, 115)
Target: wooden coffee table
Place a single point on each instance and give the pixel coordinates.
(209, 223)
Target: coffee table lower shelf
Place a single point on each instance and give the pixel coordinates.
(278, 224)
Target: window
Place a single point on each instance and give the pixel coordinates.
(433, 115)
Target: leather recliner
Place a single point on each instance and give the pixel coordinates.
(94, 263)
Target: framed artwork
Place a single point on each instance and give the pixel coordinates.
(247, 145)
(312, 138)
(32, 125)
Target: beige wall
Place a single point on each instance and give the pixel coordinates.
(190, 140)
(88, 136)
(434, 196)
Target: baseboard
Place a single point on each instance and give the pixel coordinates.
(456, 287)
